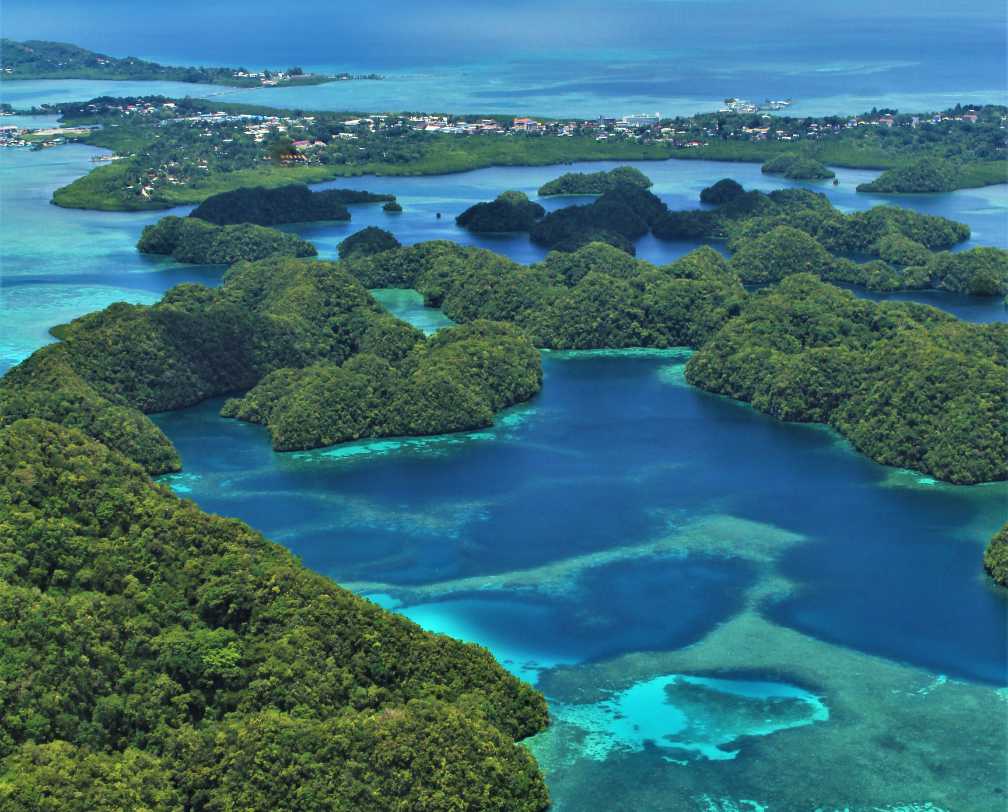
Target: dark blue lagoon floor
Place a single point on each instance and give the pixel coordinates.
(604, 539)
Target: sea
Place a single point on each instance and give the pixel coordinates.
(726, 613)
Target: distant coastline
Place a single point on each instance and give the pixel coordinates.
(42, 59)
(179, 151)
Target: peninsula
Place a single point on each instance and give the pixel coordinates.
(41, 59)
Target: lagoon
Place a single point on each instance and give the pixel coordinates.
(623, 518)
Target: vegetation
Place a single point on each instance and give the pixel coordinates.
(595, 183)
(797, 167)
(511, 211)
(177, 151)
(724, 191)
(778, 253)
(400, 384)
(280, 316)
(392, 207)
(906, 384)
(996, 556)
(977, 272)
(189, 239)
(367, 241)
(595, 297)
(179, 660)
(286, 204)
(618, 217)
(798, 231)
(925, 175)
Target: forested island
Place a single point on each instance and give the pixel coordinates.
(595, 183)
(510, 211)
(231, 226)
(274, 316)
(234, 649)
(771, 236)
(295, 203)
(157, 653)
(41, 59)
(922, 176)
(367, 241)
(176, 151)
(803, 350)
(797, 167)
(191, 239)
(400, 383)
(996, 556)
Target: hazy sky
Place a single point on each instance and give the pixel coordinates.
(412, 33)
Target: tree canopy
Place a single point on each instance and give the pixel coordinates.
(996, 556)
(928, 174)
(906, 384)
(367, 241)
(164, 658)
(797, 167)
(399, 384)
(595, 183)
(186, 239)
(511, 211)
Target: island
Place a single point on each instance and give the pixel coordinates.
(996, 556)
(272, 206)
(161, 639)
(927, 175)
(42, 59)
(510, 211)
(180, 151)
(310, 334)
(400, 383)
(790, 231)
(595, 183)
(191, 239)
(367, 241)
(800, 350)
(797, 167)
(279, 315)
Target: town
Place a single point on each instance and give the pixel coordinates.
(170, 151)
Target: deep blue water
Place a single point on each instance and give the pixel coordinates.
(613, 454)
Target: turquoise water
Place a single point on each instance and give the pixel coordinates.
(725, 612)
(480, 89)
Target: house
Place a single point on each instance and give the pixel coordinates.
(528, 125)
